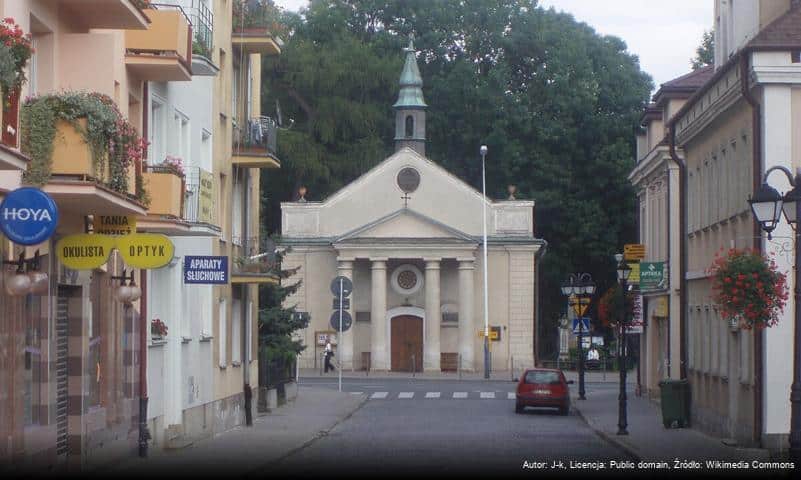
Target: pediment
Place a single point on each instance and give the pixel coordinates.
(406, 224)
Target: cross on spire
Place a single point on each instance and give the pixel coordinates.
(405, 199)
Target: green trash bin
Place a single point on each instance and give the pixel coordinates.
(675, 403)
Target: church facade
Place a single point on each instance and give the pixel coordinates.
(409, 236)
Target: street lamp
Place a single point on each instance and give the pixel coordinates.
(581, 286)
(483, 151)
(766, 206)
(623, 271)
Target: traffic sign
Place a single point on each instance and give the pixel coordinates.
(633, 251)
(579, 305)
(346, 286)
(585, 325)
(345, 303)
(347, 320)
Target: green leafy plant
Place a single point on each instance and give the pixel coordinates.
(278, 321)
(142, 4)
(109, 136)
(262, 15)
(200, 48)
(748, 287)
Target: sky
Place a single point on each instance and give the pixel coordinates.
(663, 34)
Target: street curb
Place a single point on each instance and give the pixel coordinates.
(609, 438)
(306, 444)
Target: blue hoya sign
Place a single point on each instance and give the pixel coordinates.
(28, 216)
(206, 270)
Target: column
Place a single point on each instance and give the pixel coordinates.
(345, 347)
(379, 357)
(431, 344)
(466, 320)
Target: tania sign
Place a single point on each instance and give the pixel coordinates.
(28, 216)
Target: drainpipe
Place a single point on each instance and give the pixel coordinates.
(537, 304)
(682, 252)
(245, 295)
(144, 434)
(756, 126)
(667, 260)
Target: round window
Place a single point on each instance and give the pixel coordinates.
(407, 279)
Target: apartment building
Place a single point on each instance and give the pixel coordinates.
(92, 376)
(745, 119)
(656, 180)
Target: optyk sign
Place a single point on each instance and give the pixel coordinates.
(28, 216)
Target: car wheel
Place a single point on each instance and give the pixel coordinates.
(518, 408)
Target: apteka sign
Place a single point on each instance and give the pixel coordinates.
(28, 216)
(206, 270)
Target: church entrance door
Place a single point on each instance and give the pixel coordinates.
(407, 343)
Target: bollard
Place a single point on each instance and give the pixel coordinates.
(459, 366)
(414, 366)
(512, 358)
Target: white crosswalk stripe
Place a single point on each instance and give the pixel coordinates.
(438, 395)
(459, 394)
(379, 395)
(356, 393)
(487, 394)
(511, 395)
(432, 394)
(406, 395)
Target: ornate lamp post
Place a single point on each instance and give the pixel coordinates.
(483, 151)
(767, 206)
(623, 271)
(581, 286)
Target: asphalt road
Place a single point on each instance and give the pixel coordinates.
(444, 426)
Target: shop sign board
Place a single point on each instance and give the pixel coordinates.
(84, 251)
(634, 251)
(114, 224)
(206, 270)
(206, 197)
(652, 275)
(28, 216)
(146, 250)
(636, 324)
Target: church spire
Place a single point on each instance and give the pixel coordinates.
(410, 116)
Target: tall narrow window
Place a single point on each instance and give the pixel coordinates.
(157, 134)
(223, 337)
(409, 126)
(237, 218)
(236, 331)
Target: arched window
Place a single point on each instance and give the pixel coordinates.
(409, 126)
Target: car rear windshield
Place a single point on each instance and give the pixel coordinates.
(543, 377)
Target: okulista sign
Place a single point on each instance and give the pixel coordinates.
(138, 250)
(28, 216)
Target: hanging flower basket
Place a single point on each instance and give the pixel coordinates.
(748, 288)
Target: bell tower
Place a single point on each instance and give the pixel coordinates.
(410, 109)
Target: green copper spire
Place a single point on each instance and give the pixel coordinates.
(411, 83)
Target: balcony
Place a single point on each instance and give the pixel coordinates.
(113, 14)
(78, 186)
(255, 144)
(202, 19)
(253, 28)
(170, 186)
(163, 51)
(257, 266)
(10, 156)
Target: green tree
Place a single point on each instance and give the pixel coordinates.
(705, 53)
(556, 103)
(277, 321)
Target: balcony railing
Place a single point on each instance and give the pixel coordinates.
(202, 19)
(256, 142)
(199, 196)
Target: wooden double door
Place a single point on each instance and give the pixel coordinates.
(407, 343)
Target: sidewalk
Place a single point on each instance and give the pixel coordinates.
(648, 439)
(500, 375)
(245, 450)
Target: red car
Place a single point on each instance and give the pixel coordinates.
(543, 387)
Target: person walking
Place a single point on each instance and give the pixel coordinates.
(329, 352)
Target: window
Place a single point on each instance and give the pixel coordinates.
(363, 317)
(158, 147)
(223, 337)
(33, 69)
(236, 331)
(543, 377)
(249, 332)
(236, 210)
(409, 126)
(35, 370)
(205, 151)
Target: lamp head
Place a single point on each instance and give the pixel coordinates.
(483, 150)
(766, 205)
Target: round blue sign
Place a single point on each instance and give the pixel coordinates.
(28, 216)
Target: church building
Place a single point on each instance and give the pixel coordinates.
(408, 234)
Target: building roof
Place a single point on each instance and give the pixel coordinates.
(685, 85)
(411, 83)
(784, 32)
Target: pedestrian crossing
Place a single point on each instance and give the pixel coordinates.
(438, 395)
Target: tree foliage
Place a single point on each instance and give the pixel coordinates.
(705, 53)
(556, 103)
